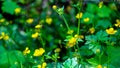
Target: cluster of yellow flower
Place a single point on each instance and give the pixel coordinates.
(39, 52)
(100, 66)
(111, 31)
(2, 20)
(44, 64)
(92, 30)
(30, 20)
(4, 36)
(26, 51)
(72, 41)
(79, 15)
(48, 20)
(17, 10)
(118, 23)
(35, 35)
(70, 31)
(100, 4)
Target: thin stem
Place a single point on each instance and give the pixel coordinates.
(79, 16)
(42, 41)
(65, 22)
(21, 66)
(78, 26)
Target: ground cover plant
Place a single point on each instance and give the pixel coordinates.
(59, 34)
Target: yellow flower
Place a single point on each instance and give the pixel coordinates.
(71, 42)
(69, 8)
(39, 52)
(26, 51)
(100, 4)
(44, 64)
(48, 20)
(17, 10)
(4, 36)
(92, 30)
(39, 66)
(118, 23)
(111, 31)
(29, 21)
(105, 67)
(86, 19)
(79, 15)
(99, 66)
(79, 36)
(70, 31)
(35, 35)
(57, 50)
(38, 26)
(54, 7)
(2, 20)
(97, 50)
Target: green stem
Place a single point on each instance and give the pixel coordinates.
(21, 66)
(42, 41)
(78, 26)
(65, 22)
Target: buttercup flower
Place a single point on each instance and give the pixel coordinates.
(38, 26)
(2, 20)
(57, 50)
(17, 10)
(54, 7)
(71, 42)
(79, 36)
(48, 20)
(39, 66)
(92, 30)
(35, 35)
(70, 31)
(29, 21)
(97, 50)
(99, 66)
(44, 64)
(86, 19)
(26, 51)
(79, 15)
(118, 23)
(111, 31)
(39, 52)
(4, 36)
(100, 4)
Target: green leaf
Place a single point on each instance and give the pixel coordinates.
(103, 12)
(93, 61)
(9, 6)
(102, 36)
(92, 8)
(3, 58)
(71, 63)
(103, 23)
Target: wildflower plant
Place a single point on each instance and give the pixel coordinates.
(53, 34)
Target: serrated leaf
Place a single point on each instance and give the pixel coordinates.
(9, 6)
(3, 58)
(103, 12)
(103, 23)
(102, 36)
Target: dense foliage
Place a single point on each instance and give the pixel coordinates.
(59, 34)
